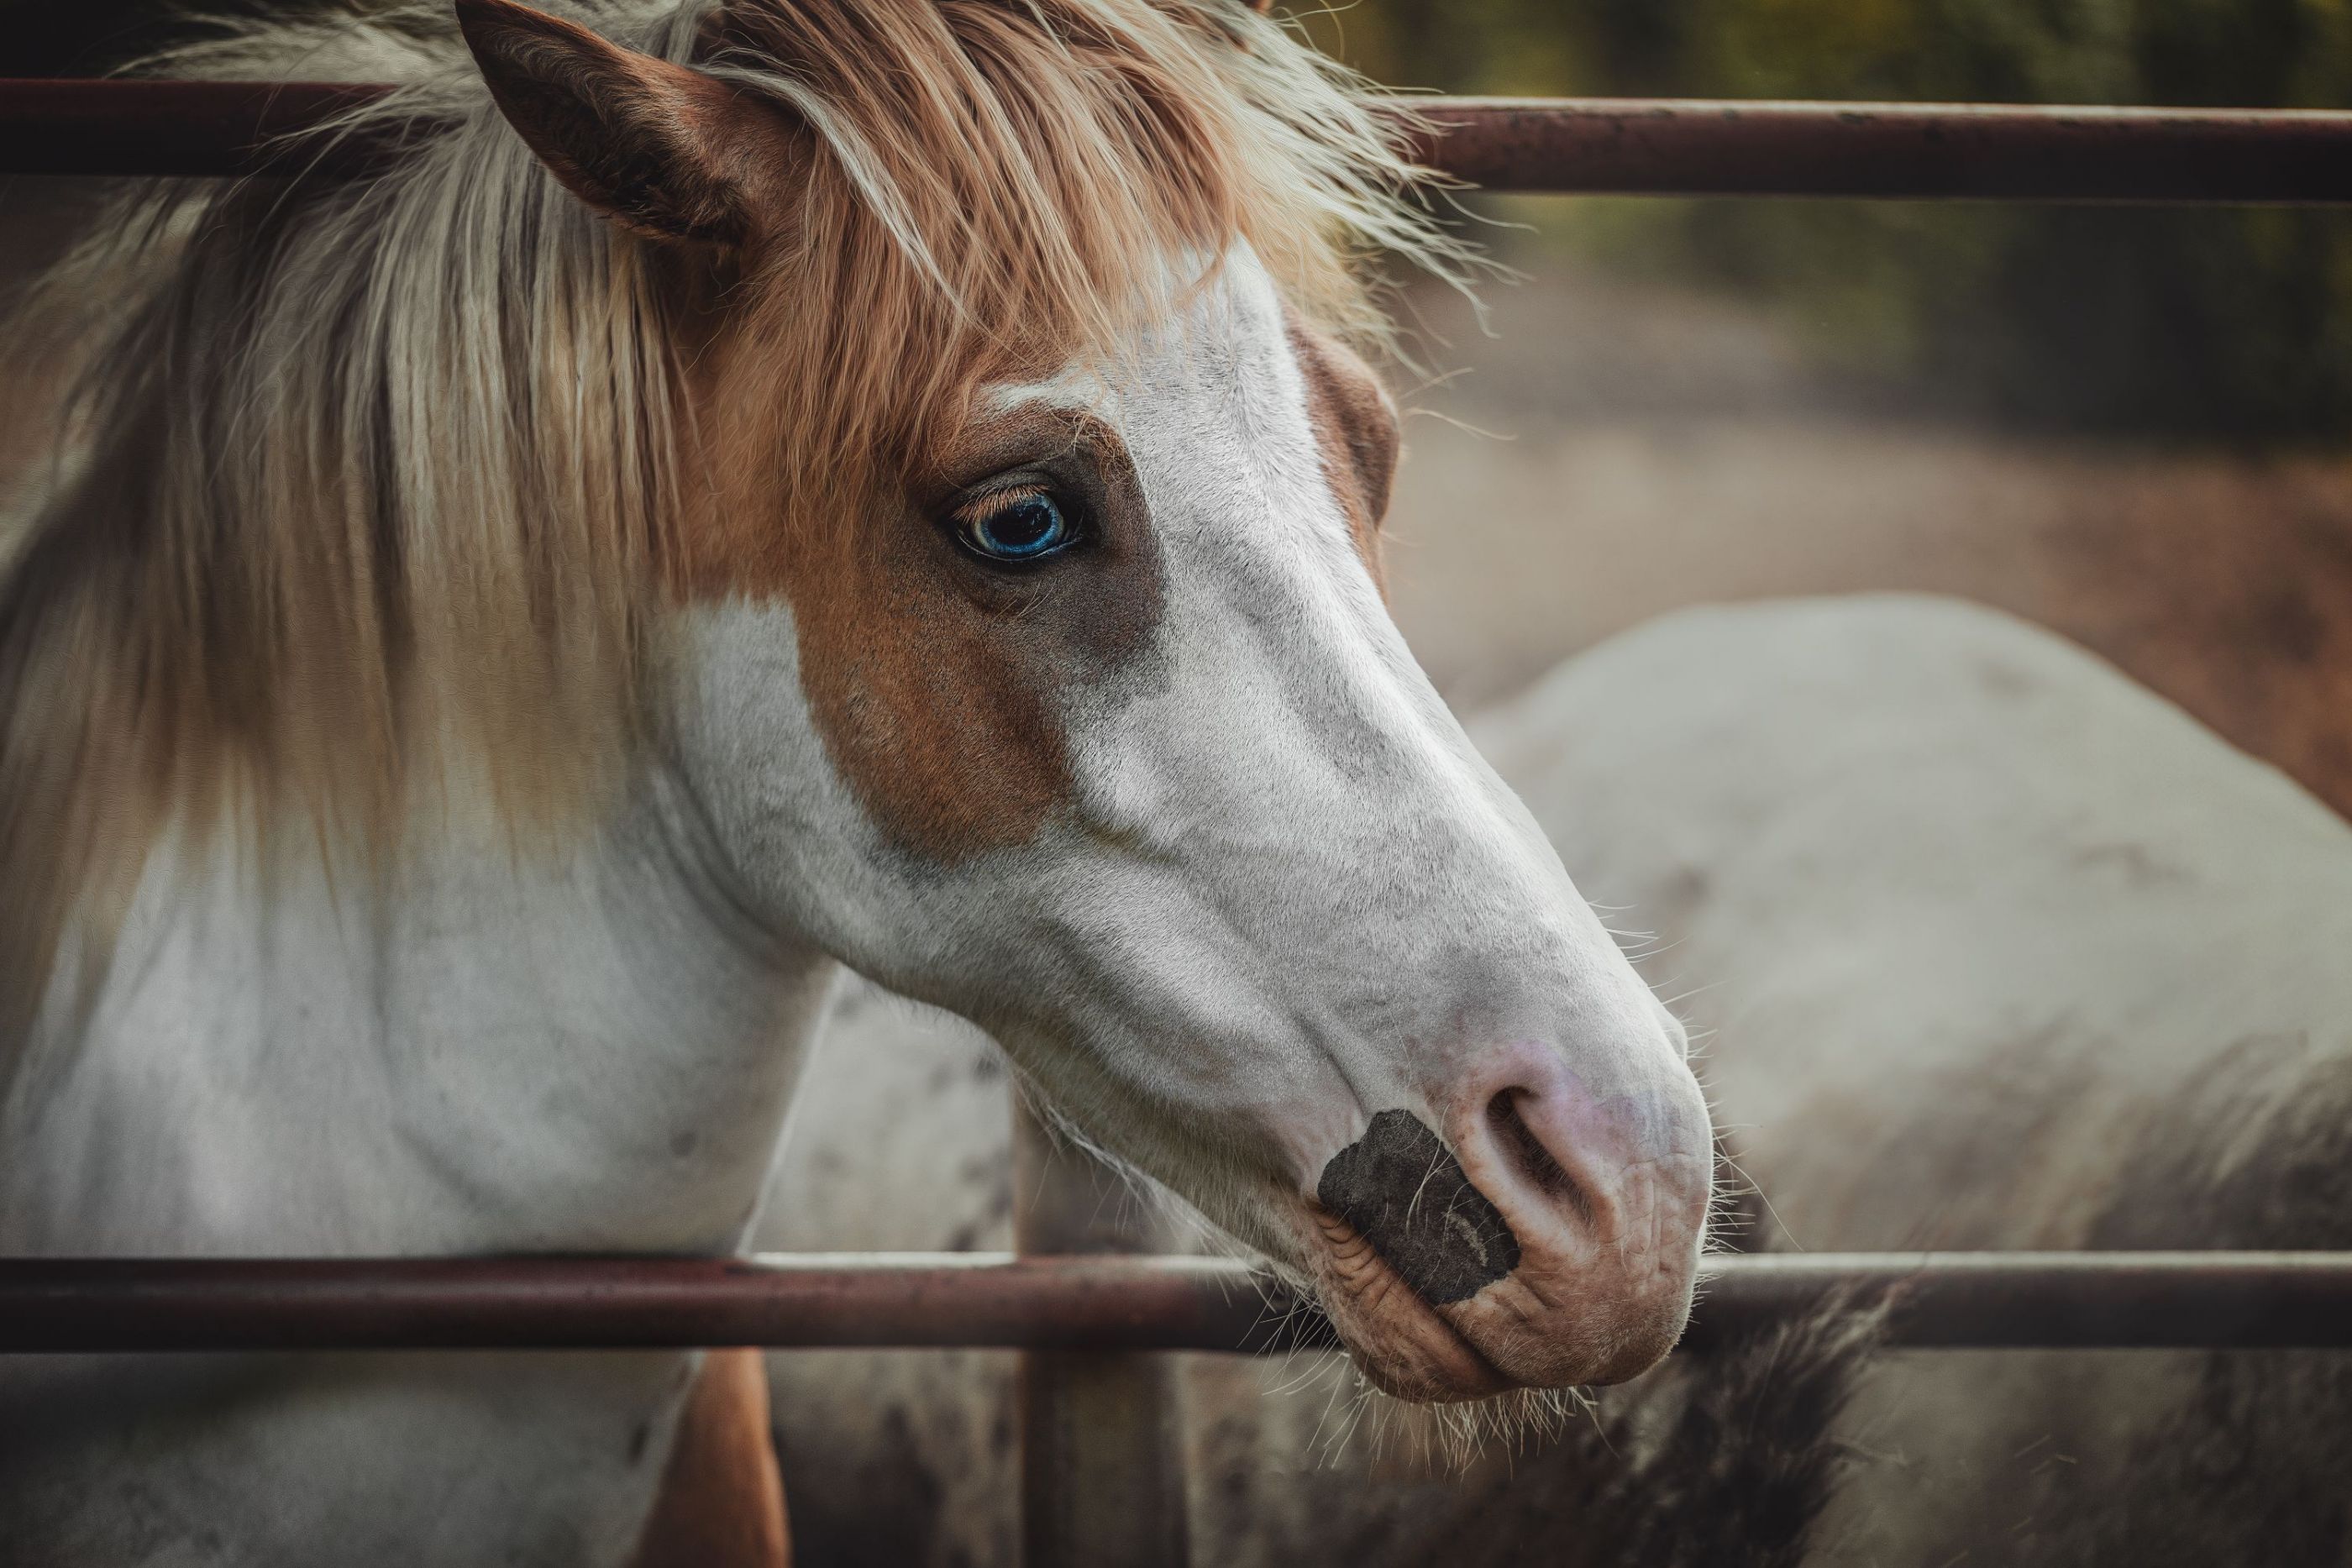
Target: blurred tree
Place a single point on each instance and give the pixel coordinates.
(2234, 322)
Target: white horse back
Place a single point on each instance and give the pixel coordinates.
(1999, 950)
(1952, 888)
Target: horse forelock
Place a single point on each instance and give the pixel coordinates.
(378, 476)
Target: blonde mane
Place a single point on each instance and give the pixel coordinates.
(369, 476)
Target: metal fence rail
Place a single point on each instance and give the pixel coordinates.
(1930, 151)
(1981, 152)
(2217, 1301)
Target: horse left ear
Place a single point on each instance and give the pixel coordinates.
(638, 137)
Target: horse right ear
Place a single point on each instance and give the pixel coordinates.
(634, 137)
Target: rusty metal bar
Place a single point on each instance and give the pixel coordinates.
(2076, 1301)
(1654, 146)
(2247, 1300)
(817, 1299)
(1934, 150)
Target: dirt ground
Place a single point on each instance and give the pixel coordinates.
(1611, 451)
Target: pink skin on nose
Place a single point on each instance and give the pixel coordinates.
(1607, 1198)
(1554, 1243)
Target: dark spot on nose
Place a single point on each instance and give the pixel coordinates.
(1405, 1192)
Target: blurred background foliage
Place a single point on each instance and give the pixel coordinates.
(2225, 323)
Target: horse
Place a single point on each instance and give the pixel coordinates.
(1988, 945)
(734, 494)
(2001, 951)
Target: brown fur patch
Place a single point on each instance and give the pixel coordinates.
(936, 680)
(1356, 426)
(723, 1501)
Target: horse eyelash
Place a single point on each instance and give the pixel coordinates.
(980, 508)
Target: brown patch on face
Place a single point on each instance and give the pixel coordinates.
(936, 679)
(722, 1503)
(1356, 426)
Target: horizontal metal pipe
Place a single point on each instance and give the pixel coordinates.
(2085, 1300)
(810, 1300)
(2078, 1301)
(1655, 146)
(1935, 151)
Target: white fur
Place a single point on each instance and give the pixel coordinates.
(588, 1054)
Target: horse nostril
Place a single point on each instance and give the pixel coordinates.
(1527, 1155)
(1404, 1192)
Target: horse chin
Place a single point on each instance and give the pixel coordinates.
(1397, 1339)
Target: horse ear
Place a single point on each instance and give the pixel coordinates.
(638, 137)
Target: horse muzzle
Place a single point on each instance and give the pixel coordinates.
(1550, 1238)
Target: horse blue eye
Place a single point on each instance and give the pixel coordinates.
(1025, 526)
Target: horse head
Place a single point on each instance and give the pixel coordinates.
(1027, 651)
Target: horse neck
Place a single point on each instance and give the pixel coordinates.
(492, 1049)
